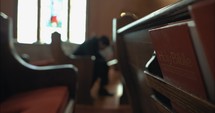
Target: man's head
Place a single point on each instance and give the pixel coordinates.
(104, 48)
(103, 42)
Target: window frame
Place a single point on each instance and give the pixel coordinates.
(38, 40)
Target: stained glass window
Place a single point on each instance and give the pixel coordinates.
(53, 17)
(67, 17)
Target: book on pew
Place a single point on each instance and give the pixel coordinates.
(203, 14)
(177, 58)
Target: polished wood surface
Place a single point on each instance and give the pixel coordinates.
(182, 98)
(84, 64)
(25, 86)
(107, 104)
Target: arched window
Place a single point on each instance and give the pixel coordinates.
(37, 19)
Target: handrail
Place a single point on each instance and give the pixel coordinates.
(161, 16)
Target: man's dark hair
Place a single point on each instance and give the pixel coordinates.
(104, 40)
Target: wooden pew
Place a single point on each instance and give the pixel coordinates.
(32, 89)
(150, 93)
(83, 63)
(117, 23)
(133, 52)
(54, 54)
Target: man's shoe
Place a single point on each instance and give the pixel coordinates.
(104, 92)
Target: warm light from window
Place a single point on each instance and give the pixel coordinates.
(27, 21)
(77, 21)
(53, 17)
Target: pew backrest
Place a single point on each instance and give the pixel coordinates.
(84, 64)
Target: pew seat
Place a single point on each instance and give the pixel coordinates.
(43, 62)
(44, 100)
